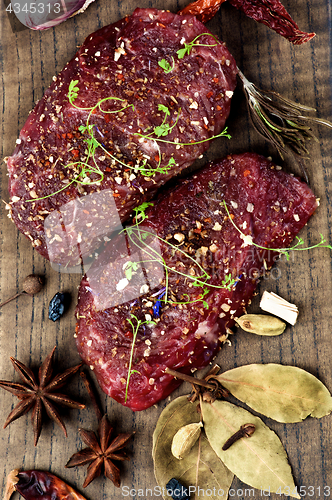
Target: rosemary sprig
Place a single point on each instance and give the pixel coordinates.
(281, 121)
(284, 251)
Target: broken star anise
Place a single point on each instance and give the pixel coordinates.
(101, 453)
(38, 394)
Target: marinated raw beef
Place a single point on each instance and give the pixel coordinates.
(158, 110)
(166, 290)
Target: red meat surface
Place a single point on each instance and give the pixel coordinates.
(121, 61)
(187, 232)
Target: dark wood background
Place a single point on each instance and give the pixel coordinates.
(29, 59)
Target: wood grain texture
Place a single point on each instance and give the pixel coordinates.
(29, 59)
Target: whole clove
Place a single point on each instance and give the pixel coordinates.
(245, 430)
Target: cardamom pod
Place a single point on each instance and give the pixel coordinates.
(261, 324)
(185, 438)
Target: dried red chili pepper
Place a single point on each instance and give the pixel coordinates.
(275, 16)
(269, 12)
(204, 10)
(36, 484)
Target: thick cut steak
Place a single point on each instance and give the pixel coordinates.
(195, 236)
(134, 66)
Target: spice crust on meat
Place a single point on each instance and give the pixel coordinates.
(114, 126)
(167, 290)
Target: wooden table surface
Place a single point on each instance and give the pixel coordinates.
(29, 60)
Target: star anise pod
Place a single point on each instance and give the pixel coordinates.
(101, 453)
(38, 394)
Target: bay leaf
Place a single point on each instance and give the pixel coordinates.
(260, 460)
(285, 393)
(179, 412)
(212, 473)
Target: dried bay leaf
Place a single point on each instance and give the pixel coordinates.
(285, 393)
(212, 473)
(259, 461)
(179, 412)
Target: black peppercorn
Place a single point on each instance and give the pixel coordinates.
(56, 307)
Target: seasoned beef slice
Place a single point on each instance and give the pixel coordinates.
(118, 63)
(195, 236)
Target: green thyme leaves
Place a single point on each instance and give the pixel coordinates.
(73, 91)
(140, 214)
(135, 324)
(181, 53)
(224, 133)
(92, 143)
(150, 246)
(130, 268)
(165, 128)
(87, 168)
(185, 50)
(166, 66)
(298, 246)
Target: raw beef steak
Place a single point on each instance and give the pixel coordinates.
(178, 101)
(187, 269)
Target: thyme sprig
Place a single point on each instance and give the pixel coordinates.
(135, 328)
(181, 53)
(82, 178)
(144, 168)
(285, 123)
(224, 133)
(140, 238)
(73, 95)
(284, 251)
(166, 66)
(165, 128)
